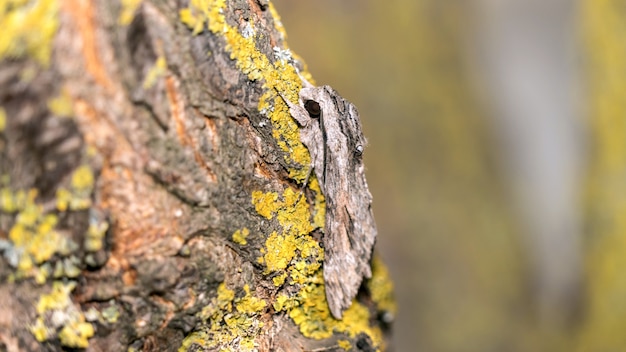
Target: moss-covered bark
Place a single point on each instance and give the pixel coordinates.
(150, 177)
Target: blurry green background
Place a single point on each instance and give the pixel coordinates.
(497, 161)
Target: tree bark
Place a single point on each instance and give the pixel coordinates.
(150, 180)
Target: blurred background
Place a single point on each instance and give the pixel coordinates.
(497, 161)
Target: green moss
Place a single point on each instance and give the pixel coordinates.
(28, 28)
(56, 313)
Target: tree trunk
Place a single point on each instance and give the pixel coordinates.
(150, 180)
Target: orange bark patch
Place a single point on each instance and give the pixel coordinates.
(83, 14)
(177, 109)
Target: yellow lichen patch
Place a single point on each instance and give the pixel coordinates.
(3, 119)
(279, 279)
(299, 255)
(344, 344)
(82, 179)
(34, 240)
(277, 76)
(292, 213)
(265, 203)
(232, 322)
(277, 23)
(78, 197)
(240, 236)
(292, 255)
(57, 313)
(75, 334)
(381, 288)
(62, 104)
(58, 299)
(28, 28)
(95, 236)
(33, 237)
(280, 250)
(157, 71)
(310, 311)
(250, 304)
(128, 11)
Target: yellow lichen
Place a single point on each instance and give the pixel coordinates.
(277, 23)
(58, 298)
(265, 203)
(128, 11)
(78, 197)
(240, 236)
(279, 279)
(82, 179)
(157, 71)
(28, 28)
(292, 213)
(62, 104)
(232, 322)
(33, 237)
(3, 119)
(278, 76)
(63, 198)
(95, 236)
(250, 304)
(297, 253)
(344, 344)
(57, 312)
(381, 287)
(291, 255)
(76, 334)
(225, 296)
(279, 253)
(39, 330)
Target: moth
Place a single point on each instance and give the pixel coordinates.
(330, 128)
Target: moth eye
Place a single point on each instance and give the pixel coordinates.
(313, 108)
(359, 149)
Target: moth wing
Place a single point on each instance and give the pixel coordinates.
(341, 276)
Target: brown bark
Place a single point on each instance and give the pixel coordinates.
(149, 199)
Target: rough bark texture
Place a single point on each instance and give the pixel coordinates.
(149, 185)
